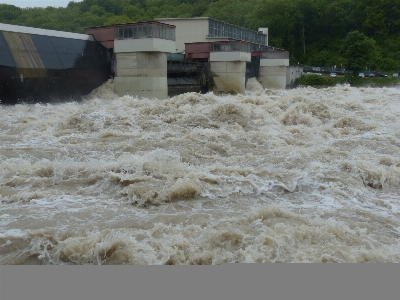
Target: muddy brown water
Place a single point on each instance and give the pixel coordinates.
(301, 175)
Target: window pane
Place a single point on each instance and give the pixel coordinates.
(140, 31)
(155, 30)
(145, 30)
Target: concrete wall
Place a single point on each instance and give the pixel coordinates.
(142, 74)
(145, 44)
(188, 30)
(293, 73)
(273, 77)
(230, 56)
(229, 77)
(273, 73)
(271, 62)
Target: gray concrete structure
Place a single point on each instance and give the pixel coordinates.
(228, 66)
(142, 74)
(293, 73)
(273, 69)
(141, 60)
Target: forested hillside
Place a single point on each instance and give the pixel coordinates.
(312, 30)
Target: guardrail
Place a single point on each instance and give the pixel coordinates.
(313, 69)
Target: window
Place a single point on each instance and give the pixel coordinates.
(144, 30)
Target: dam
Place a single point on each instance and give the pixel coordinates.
(152, 59)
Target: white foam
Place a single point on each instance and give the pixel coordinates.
(13, 233)
(320, 168)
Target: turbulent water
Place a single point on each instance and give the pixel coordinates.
(302, 175)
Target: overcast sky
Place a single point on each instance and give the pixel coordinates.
(38, 3)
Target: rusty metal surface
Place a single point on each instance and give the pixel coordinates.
(107, 34)
(197, 50)
(25, 54)
(104, 35)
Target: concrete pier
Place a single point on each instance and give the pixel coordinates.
(292, 74)
(273, 69)
(228, 66)
(141, 59)
(142, 74)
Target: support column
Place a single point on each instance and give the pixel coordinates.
(143, 74)
(141, 59)
(273, 72)
(228, 66)
(229, 76)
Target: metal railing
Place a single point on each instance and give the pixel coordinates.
(222, 29)
(314, 69)
(176, 56)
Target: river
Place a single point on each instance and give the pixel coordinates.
(300, 175)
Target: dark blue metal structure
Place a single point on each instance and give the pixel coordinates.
(39, 65)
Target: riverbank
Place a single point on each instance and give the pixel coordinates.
(323, 81)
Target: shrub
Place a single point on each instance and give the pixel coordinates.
(315, 80)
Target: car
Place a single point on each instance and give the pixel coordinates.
(395, 75)
(362, 75)
(379, 74)
(369, 74)
(333, 75)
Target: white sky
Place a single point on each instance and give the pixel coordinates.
(38, 3)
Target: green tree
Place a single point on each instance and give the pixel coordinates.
(8, 13)
(381, 17)
(312, 30)
(230, 11)
(359, 51)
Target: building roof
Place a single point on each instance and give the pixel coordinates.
(131, 23)
(46, 32)
(195, 18)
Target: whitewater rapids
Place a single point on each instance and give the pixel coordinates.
(302, 175)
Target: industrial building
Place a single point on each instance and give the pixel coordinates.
(205, 29)
(48, 65)
(152, 59)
